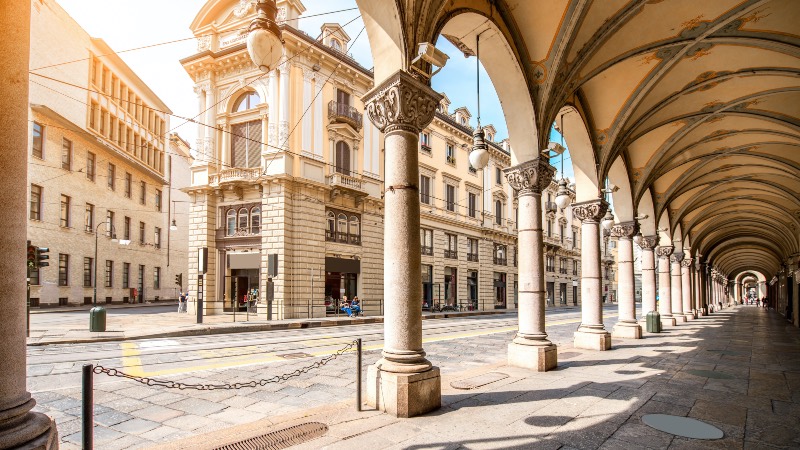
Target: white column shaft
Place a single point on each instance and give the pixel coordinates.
(591, 286)
(648, 281)
(625, 287)
(664, 290)
(676, 293)
(531, 271)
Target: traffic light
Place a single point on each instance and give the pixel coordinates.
(179, 279)
(31, 256)
(42, 256)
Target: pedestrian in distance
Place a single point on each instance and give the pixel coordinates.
(182, 302)
(345, 306)
(355, 306)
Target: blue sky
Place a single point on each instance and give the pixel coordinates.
(125, 25)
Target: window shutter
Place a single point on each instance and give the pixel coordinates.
(239, 145)
(253, 145)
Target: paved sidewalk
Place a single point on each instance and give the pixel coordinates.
(738, 370)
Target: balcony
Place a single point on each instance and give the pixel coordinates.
(427, 250)
(550, 207)
(472, 257)
(500, 261)
(562, 271)
(451, 160)
(342, 183)
(425, 148)
(344, 113)
(233, 175)
(342, 238)
(452, 254)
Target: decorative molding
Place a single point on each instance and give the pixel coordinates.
(591, 211)
(664, 251)
(648, 242)
(243, 8)
(201, 87)
(687, 262)
(401, 103)
(204, 43)
(530, 177)
(676, 257)
(625, 230)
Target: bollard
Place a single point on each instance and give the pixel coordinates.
(87, 408)
(358, 374)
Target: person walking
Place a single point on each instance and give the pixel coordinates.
(182, 302)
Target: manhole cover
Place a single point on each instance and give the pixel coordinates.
(568, 355)
(682, 426)
(476, 382)
(278, 439)
(709, 374)
(295, 355)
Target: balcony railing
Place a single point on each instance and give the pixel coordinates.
(562, 270)
(472, 257)
(425, 148)
(451, 159)
(550, 206)
(235, 174)
(343, 238)
(344, 113)
(342, 180)
(500, 261)
(452, 254)
(427, 250)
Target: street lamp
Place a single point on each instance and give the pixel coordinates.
(562, 195)
(264, 41)
(479, 156)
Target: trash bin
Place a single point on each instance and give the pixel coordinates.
(653, 322)
(97, 319)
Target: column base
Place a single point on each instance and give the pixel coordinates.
(36, 432)
(592, 340)
(703, 311)
(540, 358)
(625, 330)
(679, 317)
(688, 317)
(668, 322)
(404, 394)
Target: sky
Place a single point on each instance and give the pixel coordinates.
(126, 24)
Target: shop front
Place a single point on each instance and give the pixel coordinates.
(499, 290)
(341, 279)
(242, 276)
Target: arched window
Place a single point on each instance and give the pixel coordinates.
(255, 220)
(330, 233)
(230, 221)
(498, 212)
(336, 45)
(246, 101)
(355, 230)
(342, 158)
(342, 228)
(242, 223)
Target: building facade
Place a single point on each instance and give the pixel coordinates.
(286, 194)
(100, 169)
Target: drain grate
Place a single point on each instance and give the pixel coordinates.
(299, 355)
(480, 380)
(279, 439)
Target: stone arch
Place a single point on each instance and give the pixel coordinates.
(383, 22)
(645, 207)
(582, 155)
(624, 209)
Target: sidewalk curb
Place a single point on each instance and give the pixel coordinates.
(113, 306)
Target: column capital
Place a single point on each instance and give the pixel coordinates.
(676, 257)
(687, 262)
(664, 251)
(648, 242)
(202, 86)
(530, 177)
(625, 230)
(401, 103)
(590, 211)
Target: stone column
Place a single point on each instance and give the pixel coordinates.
(627, 326)
(19, 426)
(676, 286)
(648, 245)
(402, 383)
(201, 106)
(283, 123)
(591, 334)
(686, 289)
(664, 297)
(737, 295)
(702, 275)
(796, 301)
(530, 348)
(209, 149)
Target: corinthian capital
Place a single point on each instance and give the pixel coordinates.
(591, 211)
(401, 103)
(664, 251)
(648, 242)
(687, 262)
(676, 257)
(531, 176)
(625, 230)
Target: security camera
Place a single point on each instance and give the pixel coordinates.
(431, 55)
(556, 148)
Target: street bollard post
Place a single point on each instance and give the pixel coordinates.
(358, 374)
(87, 408)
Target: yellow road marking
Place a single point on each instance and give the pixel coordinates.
(133, 367)
(131, 362)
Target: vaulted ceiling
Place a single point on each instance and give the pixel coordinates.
(700, 99)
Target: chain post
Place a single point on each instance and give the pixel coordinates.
(87, 408)
(358, 374)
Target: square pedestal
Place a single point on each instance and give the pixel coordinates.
(404, 395)
(668, 322)
(688, 317)
(592, 341)
(679, 317)
(704, 311)
(538, 358)
(627, 331)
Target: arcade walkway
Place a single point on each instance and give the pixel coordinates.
(738, 370)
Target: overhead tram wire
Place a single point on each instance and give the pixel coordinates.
(144, 47)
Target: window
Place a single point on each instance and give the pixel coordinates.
(126, 275)
(141, 233)
(472, 249)
(575, 267)
(500, 254)
(452, 246)
(562, 266)
(126, 228)
(242, 224)
(109, 279)
(426, 241)
(157, 237)
(550, 263)
(342, 158)
(63, 269)
(140, 285)
(574, 238)
(498, 175)
(246, 101)
(103, 119)
(158, 199)
(246, 144)
(36, 202)
(450, 197)
(110, 224)
(90, 166)
(498, 212)
(87, 272)
(112, 176)
(450, 153)
(65, 213)
(89, 222)
(66, 154)
(425, 141)
(549, 228)
(336, 45)
(612, 244)
(343, 228)
(255, 220)
(472, 203)
(561, 232)
(157, 278)
(450, 291)
(143, 192)
(425, 189)
(343, 97)
(37, 147)
(230, 221)
(354, 230)
(128, 182)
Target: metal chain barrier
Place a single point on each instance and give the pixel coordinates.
(211, 387)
